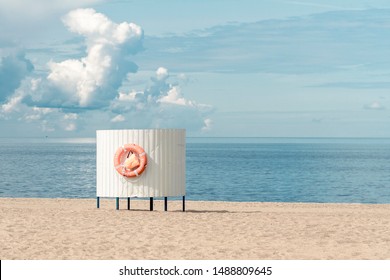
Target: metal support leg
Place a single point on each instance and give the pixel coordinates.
(151, 204)
(98, 202)
(165, 203)
(128, 203)
(117, 203)
(184, 203)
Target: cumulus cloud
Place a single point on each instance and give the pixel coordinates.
(162, 74)
(13, 105)
(61, 99)
(47, 119)
(92, 81)
(174, 96)
(161, 105)
(13, 69)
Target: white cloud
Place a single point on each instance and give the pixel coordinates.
(128, 96)
(47, 119)
(118, 118)
(94, 80)
(71, 127)
(173, 96)
(161, 105)
(46, 126)
(183, 77)
(73, 88)
(12, 105)
(162, 74)
(207, 125)
(98, 29)
(71, 116)
(375, 105)
(35, 113)
(89, 82)
(35, 83)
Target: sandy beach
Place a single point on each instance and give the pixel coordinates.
(75, 229)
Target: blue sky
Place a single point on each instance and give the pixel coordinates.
(217, 68)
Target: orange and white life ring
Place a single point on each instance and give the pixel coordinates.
(130, 160)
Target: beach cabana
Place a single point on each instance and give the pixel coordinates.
(140, 163)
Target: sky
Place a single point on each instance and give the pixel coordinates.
(218, 68)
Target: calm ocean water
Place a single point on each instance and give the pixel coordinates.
(232, 169)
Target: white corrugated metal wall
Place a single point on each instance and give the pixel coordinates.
(164, 175)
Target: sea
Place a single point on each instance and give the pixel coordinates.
(321, 170)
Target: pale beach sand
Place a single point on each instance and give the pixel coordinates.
(75, 229)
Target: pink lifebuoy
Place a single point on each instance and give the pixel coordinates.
(130, 160)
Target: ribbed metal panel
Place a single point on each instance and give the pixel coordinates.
(165, 171)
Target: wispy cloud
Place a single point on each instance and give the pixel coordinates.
(311, 4)
(354, 85)
(375, 105)
(317, 43)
